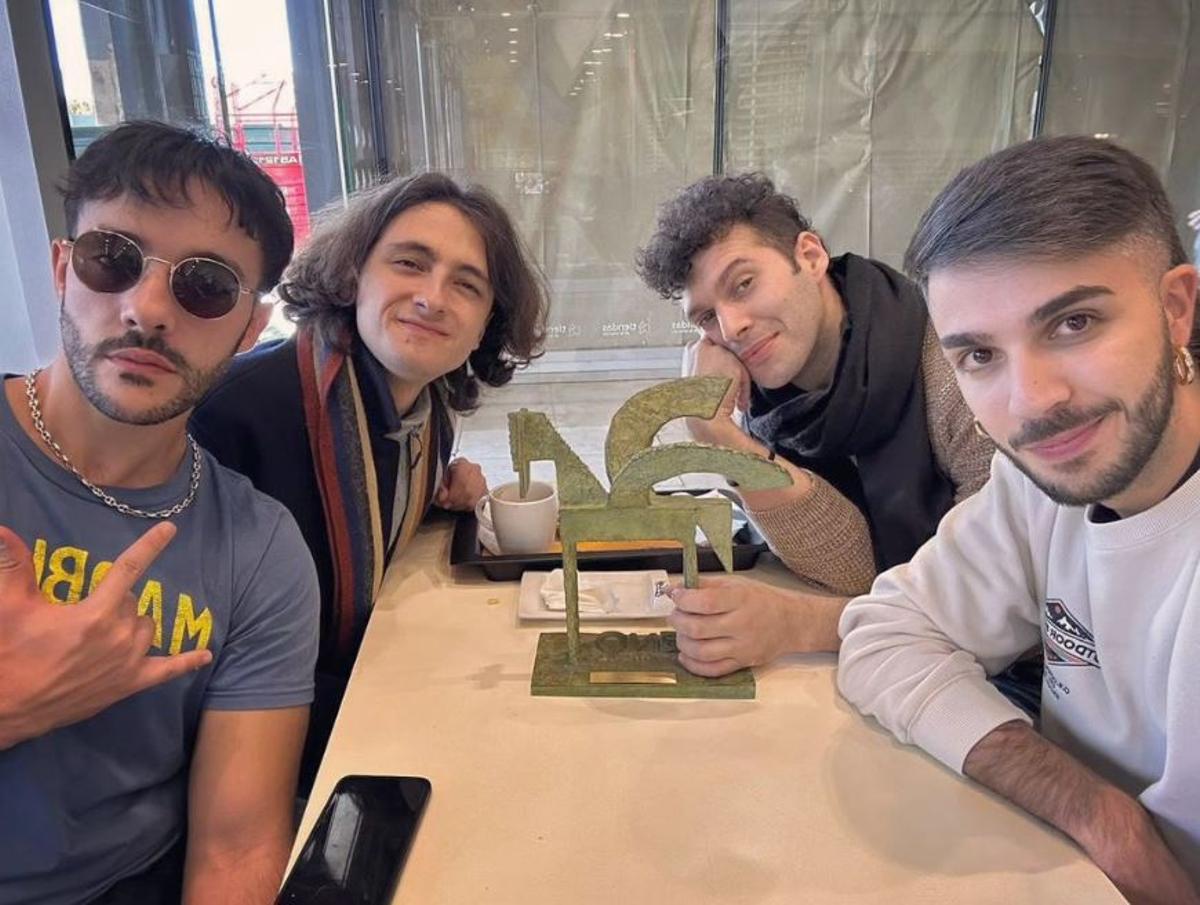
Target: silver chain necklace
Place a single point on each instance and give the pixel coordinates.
(35, 412)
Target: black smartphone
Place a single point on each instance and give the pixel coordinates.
(357, 847)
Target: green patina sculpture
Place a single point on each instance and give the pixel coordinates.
(612, 664)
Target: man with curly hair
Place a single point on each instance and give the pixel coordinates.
(837, 373)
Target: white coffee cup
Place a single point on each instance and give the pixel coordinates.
(517, 525)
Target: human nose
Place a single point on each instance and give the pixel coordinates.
(1037, 386)
(733, 321)
(430, 299)
(149, 305)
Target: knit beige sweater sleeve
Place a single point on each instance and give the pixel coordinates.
(823, 537)
(961, 453)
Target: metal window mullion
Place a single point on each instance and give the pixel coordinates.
(1039, 105)
(720, 73)
(374, 69)
(220, 73)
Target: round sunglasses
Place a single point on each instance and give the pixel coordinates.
(106, 261)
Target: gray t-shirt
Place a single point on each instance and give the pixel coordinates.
(88, 804)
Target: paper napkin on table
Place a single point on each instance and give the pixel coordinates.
(594, 597)
(739, 517)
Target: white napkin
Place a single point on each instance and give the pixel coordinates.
(739, 517)
(594, 597)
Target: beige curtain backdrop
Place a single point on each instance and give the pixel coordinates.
(583, 115)
(580, 116)
(863, 109)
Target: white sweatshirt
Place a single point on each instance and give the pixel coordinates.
(1117, 608)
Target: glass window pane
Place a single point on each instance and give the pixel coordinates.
(128, 59)
(351, 67)
(159, 59)
(260, 102)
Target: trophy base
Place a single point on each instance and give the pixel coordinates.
(620, 665)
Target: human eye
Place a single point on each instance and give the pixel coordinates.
(470, 288)
(1074, 324)
(407, 262)
(975, 359)
(742, 286)
(703, 319)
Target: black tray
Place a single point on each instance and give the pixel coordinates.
(465, 551)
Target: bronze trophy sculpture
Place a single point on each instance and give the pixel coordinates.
(616, 664)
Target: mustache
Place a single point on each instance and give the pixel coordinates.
(1057, 422)
(135, 339)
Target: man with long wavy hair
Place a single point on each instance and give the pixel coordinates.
(407, 299)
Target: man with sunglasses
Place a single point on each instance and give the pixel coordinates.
(158, 616)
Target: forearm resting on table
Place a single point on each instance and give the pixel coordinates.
(819, 616)
(1015, 761)
(816, 532)
(1116, 832)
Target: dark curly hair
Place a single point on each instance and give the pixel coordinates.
(320, 287)
(703, 213)
(158, 164)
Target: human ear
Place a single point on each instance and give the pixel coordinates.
(60, 255)
(810, 254)
(1177, 290)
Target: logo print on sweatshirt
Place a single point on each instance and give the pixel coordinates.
(1066, 640)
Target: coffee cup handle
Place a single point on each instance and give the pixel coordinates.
(485, 529)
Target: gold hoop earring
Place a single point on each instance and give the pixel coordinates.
(1185, 366)
(980, 431)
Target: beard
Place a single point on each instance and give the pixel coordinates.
(1148, 421)
(83, 359)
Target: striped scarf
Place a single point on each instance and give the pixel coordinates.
(340, 440)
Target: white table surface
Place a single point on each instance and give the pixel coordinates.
(790, 798)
